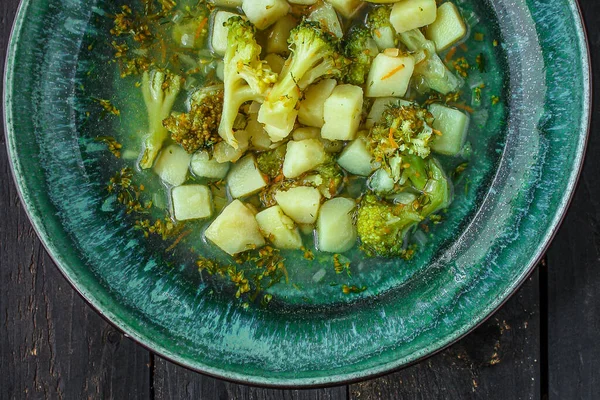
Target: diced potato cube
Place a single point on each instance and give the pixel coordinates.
(306, 229)
(302, 156)
(412, 14)
(379, 106)
(245, 178)
(304, 133)
(300, 203)
(325, 14)
(278, 228)
(191, 202)
(347, 7)
(389, 76)
(448, 28)
(223, 152)
(204, 167)
(335, 231)
(278, 125)
(311, 106)
(258, 136)
(172, 165)
(235, 230)
(453, 124)
(220, 32)
(263, 13)
(277, 41)
(356, 158)
(275, 61)
(226, 3)
(385, 37)
(342, 113)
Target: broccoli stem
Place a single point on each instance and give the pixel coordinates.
(160, 90)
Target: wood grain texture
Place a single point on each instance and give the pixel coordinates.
(574, 268)
(499, 360)
(174, 382)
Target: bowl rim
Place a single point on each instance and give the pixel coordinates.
(373, 372)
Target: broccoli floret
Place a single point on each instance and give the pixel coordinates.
(404, 130)
(437, 192)
(246, 76)
(160, 89)
(271, 162)
(198, 129)
(314, 54)
(431, 73)
(329, 178)
(381, 225)
(382, 30)
(361, 49)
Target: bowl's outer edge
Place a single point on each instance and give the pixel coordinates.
(305, 383)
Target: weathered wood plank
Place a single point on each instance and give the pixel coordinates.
(174, 382)
(500, 360)
(52, 345)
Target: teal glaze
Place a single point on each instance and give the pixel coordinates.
(522, 174)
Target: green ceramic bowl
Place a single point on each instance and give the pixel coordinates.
(526, 155)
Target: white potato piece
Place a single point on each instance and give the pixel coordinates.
(304, 133)
(389, 76)
(335, 231)
(347, 7)
(191, 202)
(223, 152)
(278, 228)
(258, 136)
(235, 230)
(263, 13)
(219, 33)
(342, 113)
(245, 178)
(205, 167)
(277, 40)
(311, 106)
(448, 28)
(302, 156)
(306, 229)
(300, 203)
(172, 165)
(356, 157)
(275, 61)
(412, 14)
(379, 106)
(226, 3)
(385, 38)
(325, 14)
(453, 124)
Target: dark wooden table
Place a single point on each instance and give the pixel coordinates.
(544, 343)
